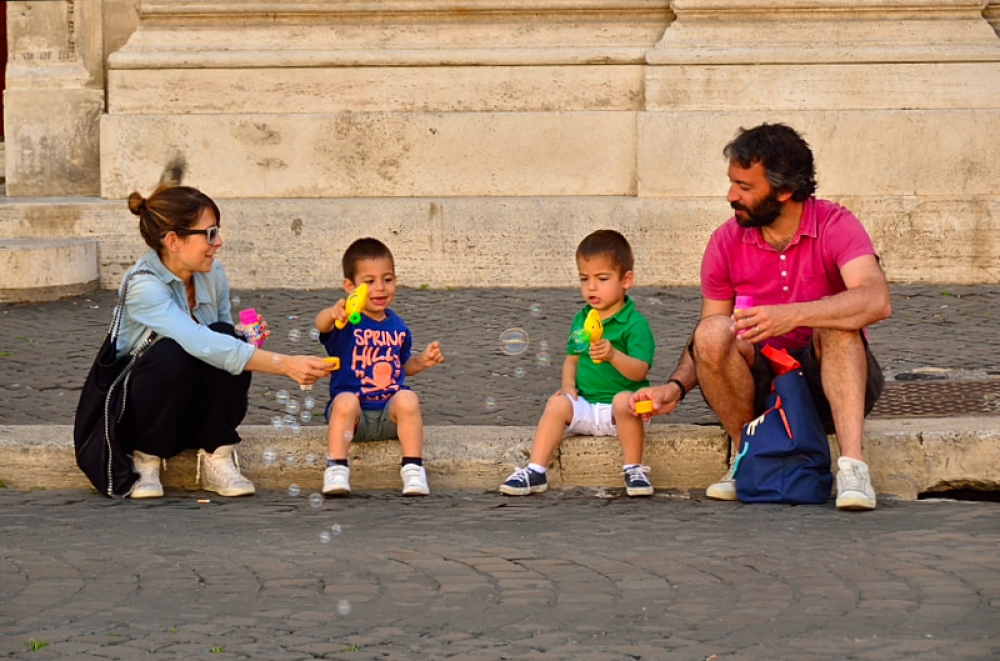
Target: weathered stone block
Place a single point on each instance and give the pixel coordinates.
(374, 154)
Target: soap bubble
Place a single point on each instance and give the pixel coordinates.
(292, 406)
(295, 335)
(296, 429)
(310, 460)
(308, 403)
(314, 335)
(348, 436)
(315, 501)
(290, 459)
(514, 341)
(543, 359)
(289, 421)
(536, 310)
(236, 301)
(519, 372)
(581, 340)
(277, 423)
(305, 416)
(206, 351)
(336, 529)
(543, 345)
(269, 457)
(491, 404)
(324, 537)
(294, 490)
(281, 396)
(344, 607)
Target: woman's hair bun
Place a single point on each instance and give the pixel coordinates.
(136, 203)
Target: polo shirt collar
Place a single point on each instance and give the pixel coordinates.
(808, 226)
(622, 316)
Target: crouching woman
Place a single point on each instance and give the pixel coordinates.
(189, 387)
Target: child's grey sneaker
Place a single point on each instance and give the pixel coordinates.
(414, 480)
(523, 482)
(337, 481)
(636, 482)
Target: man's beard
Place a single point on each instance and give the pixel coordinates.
(762, 214)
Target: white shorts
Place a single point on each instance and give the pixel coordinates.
(591, 419)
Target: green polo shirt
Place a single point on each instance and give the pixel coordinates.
(629, 332)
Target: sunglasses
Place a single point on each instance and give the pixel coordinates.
(211, 234)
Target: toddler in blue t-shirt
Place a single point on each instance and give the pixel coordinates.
(368, 397)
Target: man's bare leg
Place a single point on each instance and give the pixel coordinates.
(844, 372)
(722, 364)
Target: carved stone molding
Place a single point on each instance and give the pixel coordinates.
(709, 32)
(344, 33)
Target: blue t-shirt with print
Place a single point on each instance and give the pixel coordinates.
(372, 355)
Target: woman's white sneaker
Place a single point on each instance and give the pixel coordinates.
(148, 468)
(221, 473)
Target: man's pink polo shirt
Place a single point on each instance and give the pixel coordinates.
(738, 260)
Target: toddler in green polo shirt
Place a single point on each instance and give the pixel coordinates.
(597, 379)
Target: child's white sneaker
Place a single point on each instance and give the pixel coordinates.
(148, 468)
(337, 481)
(414, 480)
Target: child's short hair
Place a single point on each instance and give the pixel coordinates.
(607, 243)
(366, 248)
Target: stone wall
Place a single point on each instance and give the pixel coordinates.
(485, 137)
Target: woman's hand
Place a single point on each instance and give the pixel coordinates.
(304, 370)
(264, 330)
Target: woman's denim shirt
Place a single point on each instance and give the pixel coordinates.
(160, 304)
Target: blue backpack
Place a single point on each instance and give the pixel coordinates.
(784, 454)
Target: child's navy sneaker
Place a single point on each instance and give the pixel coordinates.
(636, 482)
(524, 481)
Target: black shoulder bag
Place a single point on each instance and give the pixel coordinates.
(99, 453)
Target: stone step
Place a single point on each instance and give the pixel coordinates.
(907, 457)
(45, 269)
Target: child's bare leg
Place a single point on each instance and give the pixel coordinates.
(631, 432)
(404, 411)
(549, 434)
(345, 412)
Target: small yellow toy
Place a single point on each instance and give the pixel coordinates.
(595, 329)
(644, 407)
(330, 364)
(355, 303)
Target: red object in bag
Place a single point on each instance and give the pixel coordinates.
(781, 362)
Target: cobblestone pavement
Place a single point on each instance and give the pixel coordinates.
(577, 574)
(46, 349)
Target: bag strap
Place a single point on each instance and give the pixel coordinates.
(116, 318)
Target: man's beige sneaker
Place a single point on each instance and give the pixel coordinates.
(414, 480)
(148, 468)
(854, 485)
(724, 489)
(222, 473)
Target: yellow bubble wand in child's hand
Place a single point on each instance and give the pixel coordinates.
(354, 305)
(594, 328)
